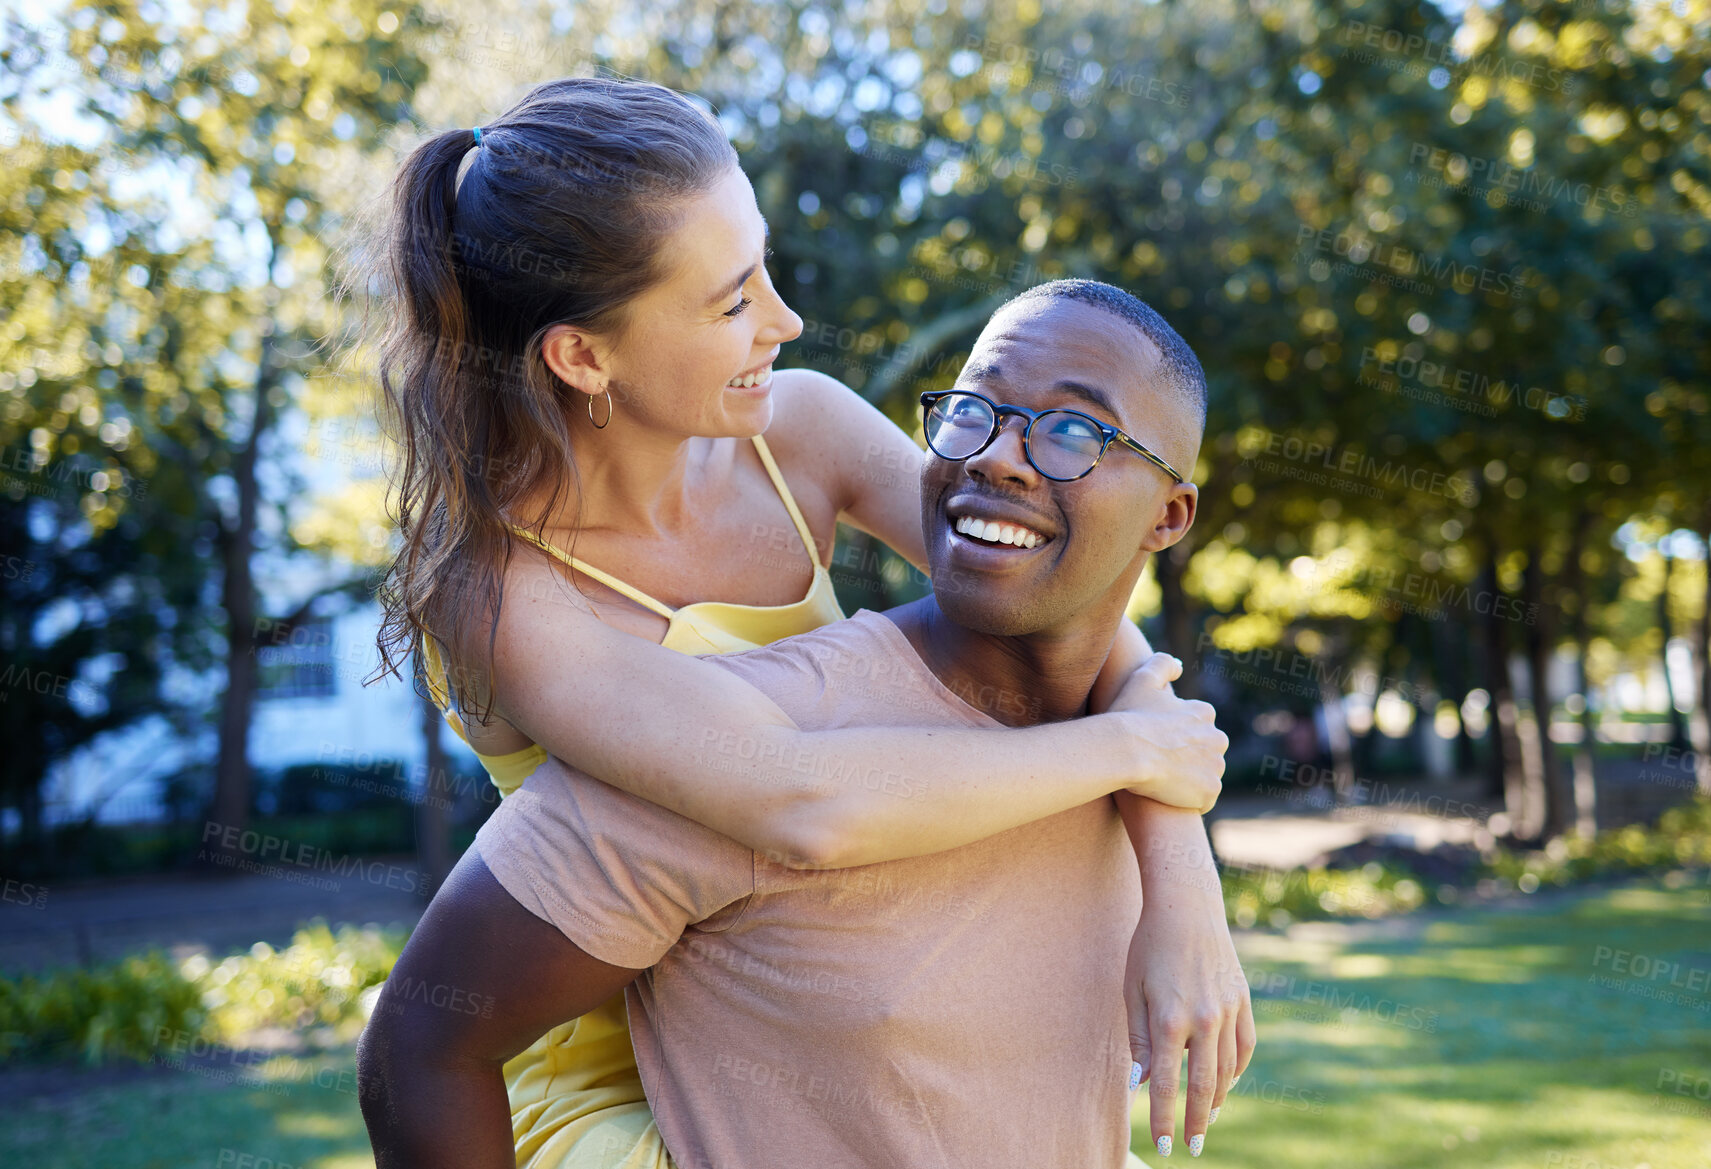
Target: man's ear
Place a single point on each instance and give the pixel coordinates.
(1174, 518)
(578, 357)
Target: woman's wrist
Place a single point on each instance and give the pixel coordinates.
(1132, 755)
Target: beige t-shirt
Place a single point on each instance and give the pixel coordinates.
(958, 1010)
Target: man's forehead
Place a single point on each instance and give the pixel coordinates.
(1065, 339)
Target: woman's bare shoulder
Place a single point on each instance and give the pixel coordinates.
(824, 430)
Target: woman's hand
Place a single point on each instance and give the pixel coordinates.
(1184, 988)
(1180, 751)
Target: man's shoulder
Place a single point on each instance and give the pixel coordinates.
(861, 637)
(861, 670)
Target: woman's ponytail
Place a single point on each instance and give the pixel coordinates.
(558, 218)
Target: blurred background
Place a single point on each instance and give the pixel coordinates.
(1446, 268)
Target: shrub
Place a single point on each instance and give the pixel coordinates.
(117, 1011)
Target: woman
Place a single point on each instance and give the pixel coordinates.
(582, 373)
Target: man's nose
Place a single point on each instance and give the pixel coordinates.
(1004, 460)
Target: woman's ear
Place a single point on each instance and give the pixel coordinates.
(578, 357)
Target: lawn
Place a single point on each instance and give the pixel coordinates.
(1547, 1035)
(1507, 1039)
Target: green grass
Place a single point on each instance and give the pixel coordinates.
(1507, 1053)
(282, 1114)
(1506, 1056)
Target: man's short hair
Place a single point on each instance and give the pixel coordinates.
(1182, 369)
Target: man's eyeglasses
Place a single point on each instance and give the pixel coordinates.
(1064, 445)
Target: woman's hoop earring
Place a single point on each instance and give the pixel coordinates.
(608, 396)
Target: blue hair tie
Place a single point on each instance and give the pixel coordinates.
(478, 135)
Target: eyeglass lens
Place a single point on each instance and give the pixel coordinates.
(1061, 444)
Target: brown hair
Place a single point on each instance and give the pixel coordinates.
(558, 220)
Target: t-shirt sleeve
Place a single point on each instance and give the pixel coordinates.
(620, 877)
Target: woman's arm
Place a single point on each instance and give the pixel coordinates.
(689, 736)
(481, 979)
(1184, 987)
(658, 724)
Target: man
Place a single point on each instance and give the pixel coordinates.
(960, 1009)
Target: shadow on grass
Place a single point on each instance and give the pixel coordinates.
(1541, 1037)
(1513, 1037)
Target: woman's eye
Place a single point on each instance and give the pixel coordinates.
(739, 307)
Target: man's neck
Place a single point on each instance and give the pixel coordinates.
(1032, 678)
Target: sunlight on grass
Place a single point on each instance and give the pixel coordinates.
(1382, 1046)
(1359, 966)
(1482, 1038)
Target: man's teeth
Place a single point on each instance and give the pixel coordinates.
(994, 532)
(753, 379)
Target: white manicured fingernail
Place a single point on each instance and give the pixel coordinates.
(1196, 1143)
(1164, 1145)
(1213, 1118)
(1134, 1075)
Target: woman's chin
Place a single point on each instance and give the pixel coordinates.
(748, 411)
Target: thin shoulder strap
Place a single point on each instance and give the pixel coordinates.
(434, 672)
(772, 471)
(604, 578)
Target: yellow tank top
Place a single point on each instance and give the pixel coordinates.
(576, 1097)
(701, 628)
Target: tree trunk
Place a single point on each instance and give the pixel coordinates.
(1702, 743)
(433, 823)
(1585, 759)
(232, 770)
(1506, 771)
(1178, 627)
(1677, 726)
(1338, 742)
(1450, 639)
(1541, 638)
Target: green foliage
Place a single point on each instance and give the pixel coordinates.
(121, 1011)
(1680, 841)
(85, 849)
(108, 1013)
(164, 257)
(317, 982)
(1365, 236)
(1278, 898)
